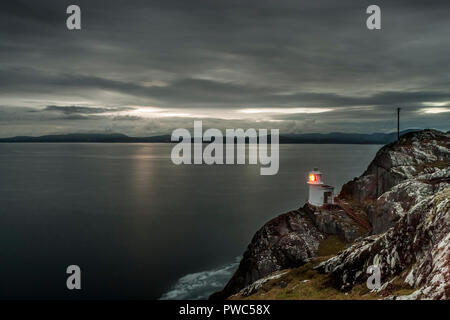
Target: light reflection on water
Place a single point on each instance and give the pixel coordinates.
(135, 222)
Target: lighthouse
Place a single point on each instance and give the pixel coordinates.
(319, 193)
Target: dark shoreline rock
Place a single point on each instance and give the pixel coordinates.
(288, 241)
(285, 241)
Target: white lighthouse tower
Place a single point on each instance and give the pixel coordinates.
(319, 193)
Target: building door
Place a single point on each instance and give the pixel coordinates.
(326, 196)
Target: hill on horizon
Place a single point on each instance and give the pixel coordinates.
(304, 138)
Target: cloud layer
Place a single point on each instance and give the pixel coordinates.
(147, 67)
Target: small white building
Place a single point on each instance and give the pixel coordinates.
(319, 193)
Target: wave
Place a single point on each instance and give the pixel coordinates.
(200, 285)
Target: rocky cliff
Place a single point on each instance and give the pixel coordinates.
(397, 216)
(406, 194)
(418, 161)
(288, 241)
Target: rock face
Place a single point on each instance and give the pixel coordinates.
(332, 220)
(404, 194)
(411, 217)
(420, 156)
(288, 241)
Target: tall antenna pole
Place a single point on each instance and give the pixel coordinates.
(398, 123)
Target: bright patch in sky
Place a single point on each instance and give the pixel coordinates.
(151, 112)
(285, 110)
(435, 110)
(436, 104)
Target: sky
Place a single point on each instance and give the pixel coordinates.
(144, 68)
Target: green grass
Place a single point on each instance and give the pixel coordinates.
(330, 246)
(305, 283)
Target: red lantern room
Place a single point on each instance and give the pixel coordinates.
(315, 177)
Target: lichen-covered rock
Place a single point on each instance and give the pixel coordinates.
(404, 194)
(288, 241)
(417, 156)
(255, 286)
(420, 240)
(333, 220)
(410, 218)
(394, 204)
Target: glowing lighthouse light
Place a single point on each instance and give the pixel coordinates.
(312, 177)
(319, 193)
(315, 177)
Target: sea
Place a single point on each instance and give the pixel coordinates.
(137, 225)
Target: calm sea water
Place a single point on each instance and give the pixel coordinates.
(136, 224)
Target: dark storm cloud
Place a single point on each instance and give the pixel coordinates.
(199, 92)
(78, 109)
(224, 55)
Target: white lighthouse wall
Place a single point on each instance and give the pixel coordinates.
(315, 195)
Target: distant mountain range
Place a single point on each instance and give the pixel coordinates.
(306, 138)
(87, 137)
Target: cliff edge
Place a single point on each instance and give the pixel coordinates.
(399, 221)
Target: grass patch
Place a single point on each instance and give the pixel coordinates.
(330, 246)
(305, 283)
(403, 292)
